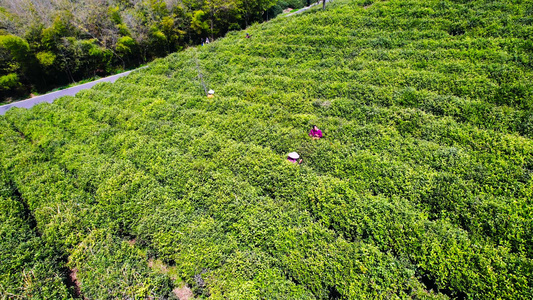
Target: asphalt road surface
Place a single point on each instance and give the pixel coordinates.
(305, 8)
(29, 103)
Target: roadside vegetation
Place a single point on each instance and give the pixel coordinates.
(421, 187)
(45, 44)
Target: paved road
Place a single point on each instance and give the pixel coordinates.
(305, 8)
(29, 103)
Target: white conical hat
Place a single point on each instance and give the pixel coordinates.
(211, 92)
(294, 155)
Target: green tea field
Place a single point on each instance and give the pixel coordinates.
(421, 188)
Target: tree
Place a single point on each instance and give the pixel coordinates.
(19, 52)
(198, 24)
(9, 82)
(97, 20)
(16, 60)
(53, 40)
(214, 7)
(7, 22)
(17, 47)
(255, 8)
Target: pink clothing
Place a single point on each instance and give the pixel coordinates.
(292, 160)
(315, 133)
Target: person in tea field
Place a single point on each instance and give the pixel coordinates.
(293, 158)
(315, 133)
(248, 35)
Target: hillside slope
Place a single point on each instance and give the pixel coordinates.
(421, 188)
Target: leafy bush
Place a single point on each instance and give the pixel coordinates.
(108, 268)
(30, 267)
(420, 188)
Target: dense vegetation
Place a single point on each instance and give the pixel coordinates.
(422, 187)
(49, 43)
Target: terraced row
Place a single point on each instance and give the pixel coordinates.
(423, 181)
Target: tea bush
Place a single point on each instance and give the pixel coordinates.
(421, 187)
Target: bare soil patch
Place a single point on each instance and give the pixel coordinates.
(72, 280)
(183, 293)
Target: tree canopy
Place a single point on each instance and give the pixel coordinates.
(48, 43)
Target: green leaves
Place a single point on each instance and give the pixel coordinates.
(107, 267)
(17, 47)
(9, 81)
(199, 22)
(420, 188)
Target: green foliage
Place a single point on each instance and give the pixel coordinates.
(126, 45)
(17, 47)
(102, 260)
(65, 44)
(199, 23)
(114, 14)
(46, 58)
(9, 81)
(61, 27)
(29, 266)
(421, 187)
(16, 59)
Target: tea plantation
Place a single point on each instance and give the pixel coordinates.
(421, 188)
